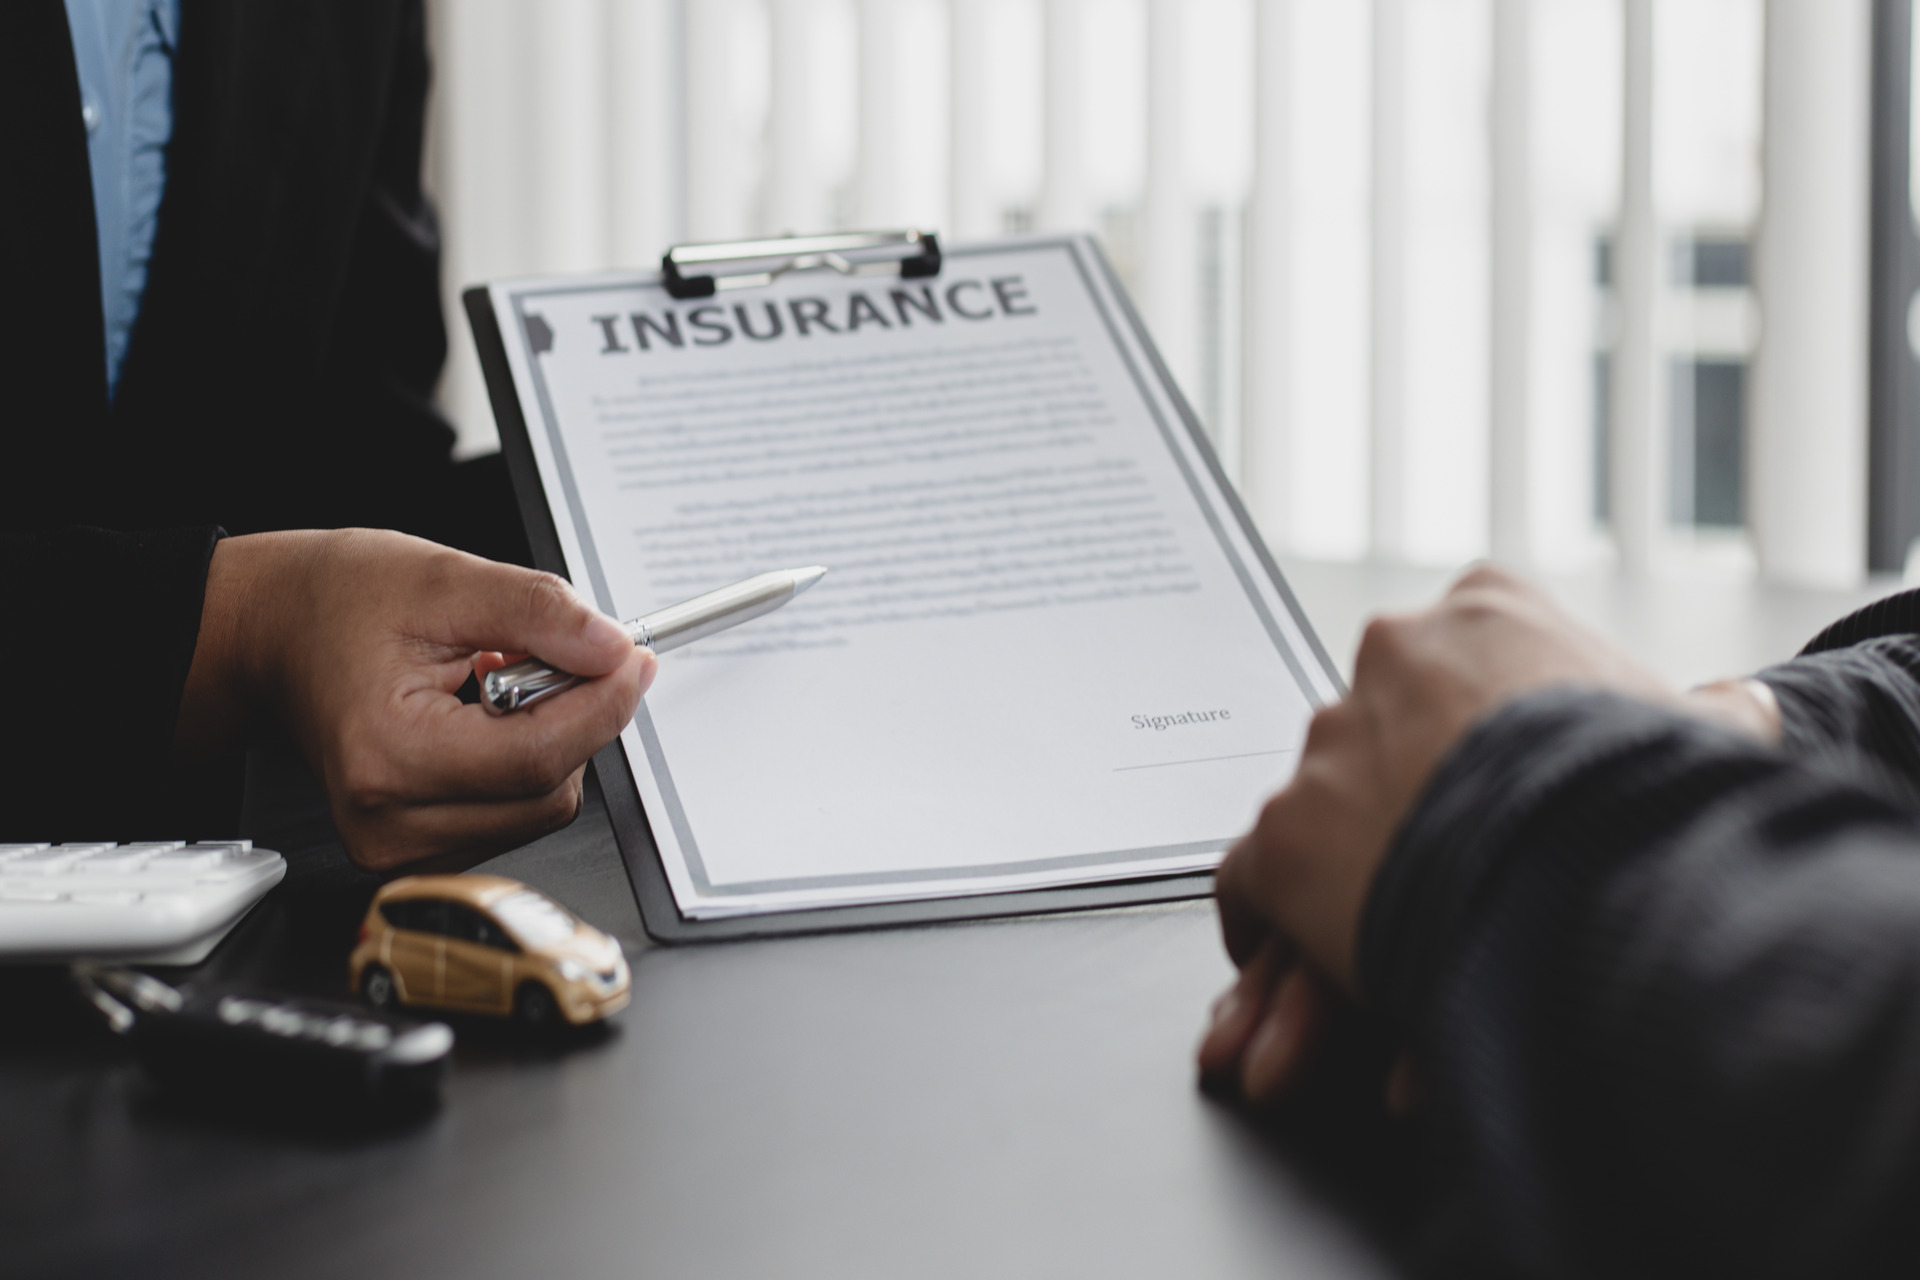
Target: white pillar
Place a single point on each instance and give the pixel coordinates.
(644, 174)
(719, 172)
(480, 140)
(969, 202)
(876, 181)
(797, 200)
(1807, 398)
(1063, 191)
(566, 178)
(1509, 516)
(1387, 356)
(1634, 456)
(1266, 454)
(1171, 260)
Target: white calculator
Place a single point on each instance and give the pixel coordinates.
(155, 902)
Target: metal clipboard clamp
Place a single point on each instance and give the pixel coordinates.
(702, 270)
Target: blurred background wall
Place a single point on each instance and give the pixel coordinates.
(1568, 281)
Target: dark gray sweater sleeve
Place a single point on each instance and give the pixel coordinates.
(1857, 707)
(1664, 985)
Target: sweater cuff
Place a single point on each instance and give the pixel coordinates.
(1527, 775)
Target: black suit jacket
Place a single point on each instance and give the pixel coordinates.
(282, 369)
(280, 375)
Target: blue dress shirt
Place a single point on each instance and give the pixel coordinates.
(124, 50)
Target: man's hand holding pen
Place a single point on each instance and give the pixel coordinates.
(357, 642)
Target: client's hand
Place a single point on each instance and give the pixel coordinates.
(357, 641)
(1290, 892)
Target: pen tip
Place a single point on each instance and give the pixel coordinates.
(804, 578)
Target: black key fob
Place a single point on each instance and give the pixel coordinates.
(258, 1049)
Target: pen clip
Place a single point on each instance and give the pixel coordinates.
(520, 684)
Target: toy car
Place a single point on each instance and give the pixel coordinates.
(485, 944)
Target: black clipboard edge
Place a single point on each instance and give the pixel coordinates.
(633, 834)
(515, 445)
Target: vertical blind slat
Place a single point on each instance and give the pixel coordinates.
(1634, 420)
(1807, 447)
(796, 200)
(719, 173)
(1062, 186)
(1170, 257)
(643, 119)
(1266, 455)
(1387, 355)
(970, 203)
(1509, 516)
(876, 175)
(567, 171)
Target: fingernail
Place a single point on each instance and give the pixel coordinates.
(1264, 1066)
(603, 632)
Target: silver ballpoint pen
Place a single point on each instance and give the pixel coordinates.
(523, 683)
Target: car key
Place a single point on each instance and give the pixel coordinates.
(255, 1047)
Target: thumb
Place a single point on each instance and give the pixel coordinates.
(513, 610)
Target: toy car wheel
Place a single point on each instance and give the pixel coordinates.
(376, 984)
(535, 1006)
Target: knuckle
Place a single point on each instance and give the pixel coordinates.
(1276, 816)
(549, 596)
(1481, 608)
(1483, 576)
(1383, 637)
(1327, 724)
(562, 804)
(439, 567)
(537, 768)
(536, 774)
(365, 784)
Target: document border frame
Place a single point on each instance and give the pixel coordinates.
(632, 830)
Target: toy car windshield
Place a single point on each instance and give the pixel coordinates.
(535, 920)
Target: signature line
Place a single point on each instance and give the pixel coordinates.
(1244, 755)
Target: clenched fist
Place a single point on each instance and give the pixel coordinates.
(1291, 892)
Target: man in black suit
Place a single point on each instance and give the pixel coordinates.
(278, 374)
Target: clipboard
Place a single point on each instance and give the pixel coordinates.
(704, 271)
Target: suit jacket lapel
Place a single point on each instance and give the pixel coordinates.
(52, 350)
(277, 112)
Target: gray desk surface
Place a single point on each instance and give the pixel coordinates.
(1003, 1099)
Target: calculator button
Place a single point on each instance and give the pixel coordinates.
(111, 860)
(196, 858)
(43, 862)
(166, 901)
(234, 867)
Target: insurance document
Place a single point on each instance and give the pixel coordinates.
(1049, 649)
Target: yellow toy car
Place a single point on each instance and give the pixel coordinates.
(485, 944)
